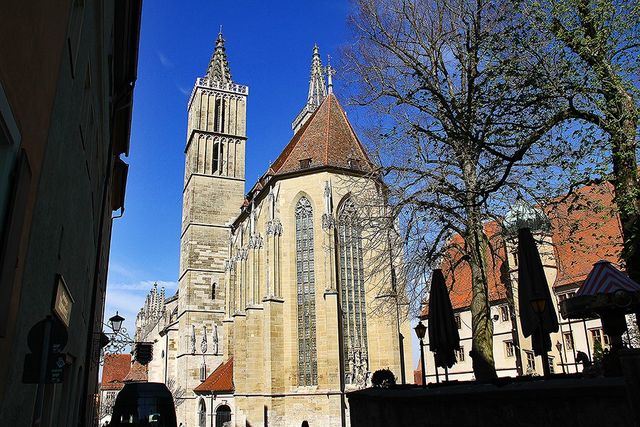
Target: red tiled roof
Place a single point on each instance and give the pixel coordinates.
(115, 369)
(327, 138)
(584, 230)
(137, 373)
(220, 380)
(457, 273)
(578, 224)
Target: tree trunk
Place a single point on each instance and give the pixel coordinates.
(481, 323)
(623, 117)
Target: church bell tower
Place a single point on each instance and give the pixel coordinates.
(214, 183)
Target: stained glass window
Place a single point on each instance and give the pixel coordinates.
(305, 279)
(354, 319)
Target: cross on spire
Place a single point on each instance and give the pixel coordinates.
(219, 66)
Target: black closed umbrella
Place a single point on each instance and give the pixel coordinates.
(444, 339)
(537, 314)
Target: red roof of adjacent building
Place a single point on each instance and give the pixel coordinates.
(457, 273)
(584, 230)
(220, 380)
(115, 369)
(328, 139)
(137, 372)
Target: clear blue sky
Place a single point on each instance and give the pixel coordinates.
(269, 45)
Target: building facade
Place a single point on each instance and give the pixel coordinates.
(67, 73)
(572, 236)
(273, 320)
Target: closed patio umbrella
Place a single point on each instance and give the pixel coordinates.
(443, 330)
(537, 314)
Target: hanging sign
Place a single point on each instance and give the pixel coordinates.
(63, 301)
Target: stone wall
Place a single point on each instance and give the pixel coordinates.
(563, 402)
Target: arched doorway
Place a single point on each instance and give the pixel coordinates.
(223, 415)
(202, 413)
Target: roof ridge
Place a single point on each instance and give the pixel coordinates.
(326, 151)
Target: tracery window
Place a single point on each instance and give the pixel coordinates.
(305, 279)
(354, 320)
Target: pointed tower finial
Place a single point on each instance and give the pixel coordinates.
(330, 72)
(317, 90)
(218, 65)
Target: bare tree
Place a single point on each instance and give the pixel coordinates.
(176, 391)
(458, 102)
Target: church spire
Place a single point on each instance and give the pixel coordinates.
(219, 66)
(317, 88)
(317, 91)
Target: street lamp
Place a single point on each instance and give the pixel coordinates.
(559, 347)
(115, 322)
(421, 330)
(116, 341)
(538, 305)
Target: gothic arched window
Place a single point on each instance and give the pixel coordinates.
(213, 290)
(223, 416)
(202, 413)
(354, 320)
(305, 279)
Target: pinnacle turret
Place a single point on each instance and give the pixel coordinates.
(317, 90)
(219, 66)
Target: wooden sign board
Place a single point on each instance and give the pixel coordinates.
(63, 301)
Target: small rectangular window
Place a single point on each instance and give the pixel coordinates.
(509, 349)
(568, 340)
(458, 321)
(531, 361)
(305, 163)
(504, 313)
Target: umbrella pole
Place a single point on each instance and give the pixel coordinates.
(586, 337)
(437, 376)
(544, 354)
(573, 347)
(446, 373)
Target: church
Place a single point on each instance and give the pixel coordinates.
(274, 320)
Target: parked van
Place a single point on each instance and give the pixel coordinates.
(144, 404)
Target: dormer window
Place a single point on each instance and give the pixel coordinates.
(353, 163)
(305, 163)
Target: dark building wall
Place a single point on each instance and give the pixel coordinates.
(74, 126)
(32, 38)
